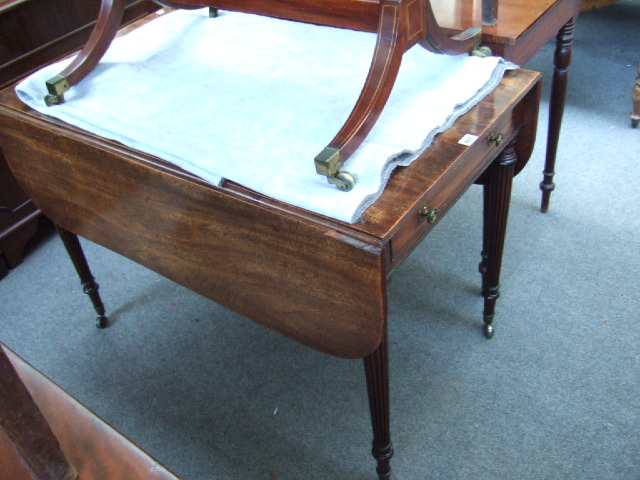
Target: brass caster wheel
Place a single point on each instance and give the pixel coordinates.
(482, 51)
(344, 181)
(487, 329)
(50, 100)
(634, 122)
(102, 321)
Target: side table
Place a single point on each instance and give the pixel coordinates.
(522, 29)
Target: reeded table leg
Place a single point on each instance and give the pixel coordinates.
(376, 367)
(562, 60)
(89, 285)
(497, 197)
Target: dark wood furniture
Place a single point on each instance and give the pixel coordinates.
(18, 219)
(47, 435)
(635, 100)
(33, 33)
(522, 28)
(316, 280)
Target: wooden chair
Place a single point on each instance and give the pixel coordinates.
(399, 24)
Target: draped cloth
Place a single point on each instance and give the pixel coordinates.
(254, 99)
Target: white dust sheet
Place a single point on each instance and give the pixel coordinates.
(254, 99)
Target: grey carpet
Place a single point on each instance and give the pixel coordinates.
(555, 394)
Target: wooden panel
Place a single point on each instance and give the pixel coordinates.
(96, 450)
(309, 283)
(24, 428)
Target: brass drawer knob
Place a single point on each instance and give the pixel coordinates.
(430, 213)
(496, 138)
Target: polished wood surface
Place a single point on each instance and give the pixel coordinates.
(593, 4)
(523, 26)
(93, 449)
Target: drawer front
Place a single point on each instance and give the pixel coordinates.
(451, 185)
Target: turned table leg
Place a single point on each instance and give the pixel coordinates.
(89, 285)
(497, 197)
(562, 60)
(635, 98)
(376, 367)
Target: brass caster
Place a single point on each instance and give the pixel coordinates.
(56, 86)
(50, 100)
(634, 121)
(482, 51)
(487, 329)
(343, 180)
(102, 321)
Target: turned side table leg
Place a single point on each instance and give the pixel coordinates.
(562, 60)
(89, 285)
(635, 98)
(376, 367)
(497, 197)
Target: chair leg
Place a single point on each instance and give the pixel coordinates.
(106, 27)
(497, 197)
(562, 60)
(89, 285)
(376, 366)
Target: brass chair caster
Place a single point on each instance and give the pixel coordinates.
(343, 180)
(482, 51)
(50, 100)
(487, 329)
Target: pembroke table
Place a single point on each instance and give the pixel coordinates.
(317, 280)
